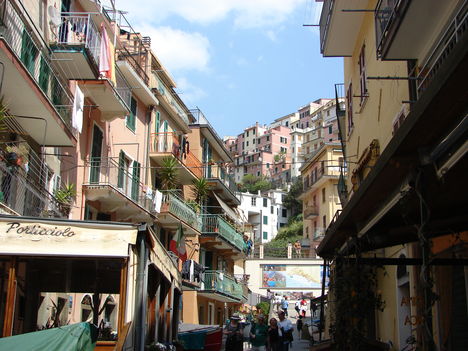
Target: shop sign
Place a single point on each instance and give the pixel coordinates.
(413, 320)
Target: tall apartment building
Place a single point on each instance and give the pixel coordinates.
(404, 138)
(265, 213)
(93, 127)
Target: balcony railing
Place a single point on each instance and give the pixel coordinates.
(388, 13)
(311, 211)
(215, 224)
(168, 142)
(123, 88)
(220, 282)
(132, 59)
(181, 210)
(79, 29)
(21, 192)
(167, 95)
(102, 171)
(18, 36)
(319, 233)
(220, 172)
(443, 48)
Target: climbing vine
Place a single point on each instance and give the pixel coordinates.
(353, 289)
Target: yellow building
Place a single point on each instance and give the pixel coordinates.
(320, 198)
(404, 137)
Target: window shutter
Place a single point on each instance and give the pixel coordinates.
(120, 178)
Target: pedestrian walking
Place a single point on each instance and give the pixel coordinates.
(297, 307)
(234, 334)
(297, 248)
(303, 307)
(274, 342)
(277, 302)
(286, 328)
(299, 325)
(285, 305)
(258, 334)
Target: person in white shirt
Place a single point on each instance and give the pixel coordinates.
(286, 329)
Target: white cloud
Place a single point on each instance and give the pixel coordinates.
(271, 35)
(179, 50)
(241, 61)
(245, 13)
(188, 92)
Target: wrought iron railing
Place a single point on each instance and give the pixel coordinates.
(168, 142)
(21, 192)
(132, 59)
(79, 29)
(123, 88)
(17, 34)
(218, 281)
(215, 224)
(166, 94)
(180, 209)
(107, 171)
(220, 172)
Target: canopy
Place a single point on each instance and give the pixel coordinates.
(74, 337)
(229, 211)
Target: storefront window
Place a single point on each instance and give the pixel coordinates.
(52, 292)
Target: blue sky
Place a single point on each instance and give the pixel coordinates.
(239, 61)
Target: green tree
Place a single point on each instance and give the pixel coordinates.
(291, 200)
(253, 184)
(169, 173)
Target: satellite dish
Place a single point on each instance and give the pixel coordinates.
(54, 15)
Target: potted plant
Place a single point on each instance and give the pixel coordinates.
(65, 196)
(169, 173)
(200, 190)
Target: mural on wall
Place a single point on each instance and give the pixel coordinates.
(292, 276)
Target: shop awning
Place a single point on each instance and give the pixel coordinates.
(229, 211)
(55, 237)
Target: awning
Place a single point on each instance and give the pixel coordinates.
(54, 237)
(229, 211)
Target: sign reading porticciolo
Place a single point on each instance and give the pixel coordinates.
(63, 238)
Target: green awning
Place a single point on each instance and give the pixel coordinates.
(75, 337)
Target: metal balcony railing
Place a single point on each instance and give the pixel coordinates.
(325, 20)
(168, 142)
(220, 172)
(108, 172)
(311, 211)
(15, 31)
(220, 282)
(215, 224)
(79, 29)
(166, 94)
(133, 60)
(180, 209)
(123, 88)
(22, 193)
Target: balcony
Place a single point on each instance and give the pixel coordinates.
(221, 182)
(311, 211)
(220, 286)
(113, 100)
(23, 193)
(118, 190)
(171, 105)
(406, 29)
(318, 234)
(339, 29)
(31, 86)
(167, 144)
(132, 67)
(175, 211)
(214, 226)
(76, 45)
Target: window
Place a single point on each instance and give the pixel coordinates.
(265, 202)
(258, 173)
(307, 124)
(265, 219)
(307, 232)
(283, 140)
(323, 195)
(268, 165)
(330, 129)
(243, 145)
(272, 210)
(283, 166)
(253, 201)
(131, 118)
(324, 219)
(247, 133)
(276, 169)
(349, 107)
(265, 235)
(267, 138)
(362, 75)
(253, 132)
(284, 213)
(328, 113)
(258, 141)
(253, 141)
(287, 124)
(246, 143)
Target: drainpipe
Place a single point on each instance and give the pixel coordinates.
(140, 293)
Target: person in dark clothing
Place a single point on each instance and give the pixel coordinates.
(274, 339)
(299, 325)
(234, 334)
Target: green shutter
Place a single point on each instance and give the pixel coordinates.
(28, 52)
(135, 180)
(121, 175)
(44, 74)
(131, 118)
(265, 219)
(158, 117)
